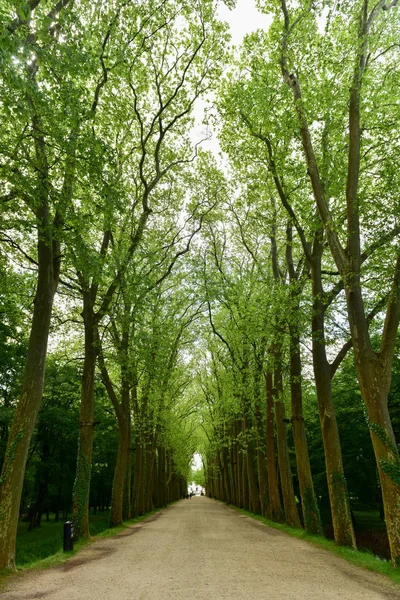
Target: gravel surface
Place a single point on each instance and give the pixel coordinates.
(200, 549)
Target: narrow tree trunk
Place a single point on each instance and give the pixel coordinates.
(228, 480)
(117, 499)
(285, 471)
(239, 465)
(137, 475)
(150, 474)
(127, 509)
(260, 437)
(245, 477)
(233, 457)
(311, 516)
(261, 467)
(254, 495)
(162, 475)
(289, 502)
(156, 481)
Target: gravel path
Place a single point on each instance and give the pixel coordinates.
(200, 549)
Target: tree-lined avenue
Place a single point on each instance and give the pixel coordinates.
(200, 549)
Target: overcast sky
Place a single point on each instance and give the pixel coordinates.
(245, 18)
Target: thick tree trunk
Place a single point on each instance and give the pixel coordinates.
(374, 377)
(80, 510)
(275, 505)
(13, 471)
(337, 487)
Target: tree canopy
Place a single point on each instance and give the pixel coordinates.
(159, 300)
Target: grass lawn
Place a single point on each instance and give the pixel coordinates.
(47, 540)
(368, 520)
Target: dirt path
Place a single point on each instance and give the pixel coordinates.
(200, 549)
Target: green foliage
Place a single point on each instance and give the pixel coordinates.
(97, 108)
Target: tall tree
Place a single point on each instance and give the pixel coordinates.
(345, 235)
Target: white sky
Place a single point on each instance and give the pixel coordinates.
(197, 462)
(245, 18)
(242, 20)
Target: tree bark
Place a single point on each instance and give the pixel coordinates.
(311, 516)
(13, 470)
(161, 474)
(275, 505)
(285, 471)
(337, 487)
(80, 510)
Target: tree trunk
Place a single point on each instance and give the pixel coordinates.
(289, 502)
(13, 471)
(311, 516)
(337, 487)
(239, 461)
(137, 476)
(150, 474)
(117, 500)
(261, 467)
(162, 481)
(227, 482)
(275, 505)
(254, 494)
(127, 509)
(80, 510)
(233, 455)
(374, 381)
(245, 477)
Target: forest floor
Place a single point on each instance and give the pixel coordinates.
(201, 549)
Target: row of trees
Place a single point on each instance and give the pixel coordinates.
(104, 194)
(308, 114)
(99, 202)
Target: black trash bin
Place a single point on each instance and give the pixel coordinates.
(68, 536)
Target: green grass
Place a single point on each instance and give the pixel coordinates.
(363, 559)
(368, 520)
(47, 540)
